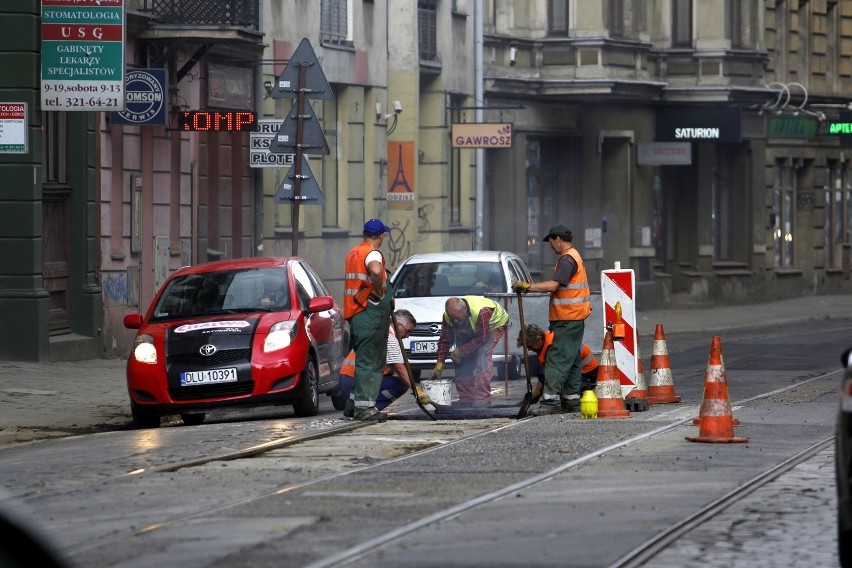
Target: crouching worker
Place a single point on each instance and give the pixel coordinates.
(395, 381)
(474, 324)
(538, 341)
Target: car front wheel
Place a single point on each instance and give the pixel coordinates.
(308, 404)
(143, 419)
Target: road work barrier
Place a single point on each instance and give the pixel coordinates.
(637, 399)
(716, 421)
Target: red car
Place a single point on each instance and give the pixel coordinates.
(235, 332)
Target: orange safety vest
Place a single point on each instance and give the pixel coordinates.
(357, 284)
(572, 301)
(348, 366)
(588, 361)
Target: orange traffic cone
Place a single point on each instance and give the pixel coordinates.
(661, 389)
(637, 399)
(697, 421)
(608, 391)
(716, 422)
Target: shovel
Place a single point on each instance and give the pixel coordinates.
(408, 368)
(525, 404)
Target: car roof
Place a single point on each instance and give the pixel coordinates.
(237, 264)
(461, 255)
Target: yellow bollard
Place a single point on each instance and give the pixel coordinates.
(589, 404)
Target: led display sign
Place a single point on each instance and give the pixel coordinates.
(216, 121)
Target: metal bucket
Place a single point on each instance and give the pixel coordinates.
(438, 390)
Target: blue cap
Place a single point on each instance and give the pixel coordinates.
(374, 228)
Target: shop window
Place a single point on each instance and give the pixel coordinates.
(783, 213)
(557, 20)
(681, 23)
(335, 22)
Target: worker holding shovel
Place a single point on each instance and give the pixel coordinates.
(474, 324)
(570, 305)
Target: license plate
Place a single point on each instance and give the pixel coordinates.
(191, 378)
(424, 347)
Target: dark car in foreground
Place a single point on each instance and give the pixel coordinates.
(843, 453)
(248, 332)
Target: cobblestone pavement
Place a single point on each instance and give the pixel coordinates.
(756, 533)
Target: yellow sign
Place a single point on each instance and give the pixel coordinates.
(482, 135)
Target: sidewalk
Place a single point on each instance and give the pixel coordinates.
(49, 400)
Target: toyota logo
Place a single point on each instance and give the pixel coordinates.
(207, 350)
(435, 329)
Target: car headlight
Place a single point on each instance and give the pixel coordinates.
(280, 336)
(144, 350)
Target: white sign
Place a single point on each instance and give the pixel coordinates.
(664, 154)
(13, 128)
(259, 140)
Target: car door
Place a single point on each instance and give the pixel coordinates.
(322, 327)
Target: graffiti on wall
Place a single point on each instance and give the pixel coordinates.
(114, 288)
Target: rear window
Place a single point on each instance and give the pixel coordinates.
(449, 279)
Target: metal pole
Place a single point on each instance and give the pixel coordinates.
(297, 183)
(479, 95)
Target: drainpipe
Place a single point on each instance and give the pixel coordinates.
(479, 113)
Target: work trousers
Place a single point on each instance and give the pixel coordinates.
(392, 388)
(473, 373)
(369, 329)
(562, 362)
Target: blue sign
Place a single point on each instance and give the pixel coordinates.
(144, 98)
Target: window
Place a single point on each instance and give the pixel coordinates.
(557, 20)
(427, 26)
(334, 22)
(616, 17)
(741, 21)
(838, 213)
(783, 213)
(682, 23)
(55, 147)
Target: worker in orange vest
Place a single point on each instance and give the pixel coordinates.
(538, 341)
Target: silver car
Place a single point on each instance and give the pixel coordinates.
(423, 283)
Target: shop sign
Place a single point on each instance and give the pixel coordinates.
(144, 98)
(230, 87)
(842, 128)
(792, 127)
(259, 141)
(82, 55)
(482, 135)
(698, 124)
(664, 154)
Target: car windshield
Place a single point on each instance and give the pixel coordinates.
(449, 279)
(226, 291)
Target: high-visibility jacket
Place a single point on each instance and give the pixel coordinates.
(357, 284)
(348, 366)
(588, 362)
(572, 301)
(499, 317)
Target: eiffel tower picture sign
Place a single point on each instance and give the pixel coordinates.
(401, 163)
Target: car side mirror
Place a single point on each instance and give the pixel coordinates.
(133, 321)
(320, 304)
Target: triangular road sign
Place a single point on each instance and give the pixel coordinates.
(313, 139)
(309, 190)
(316, 86)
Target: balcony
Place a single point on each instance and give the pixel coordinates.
(229, 13)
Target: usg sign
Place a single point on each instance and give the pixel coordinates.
(144, 99)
